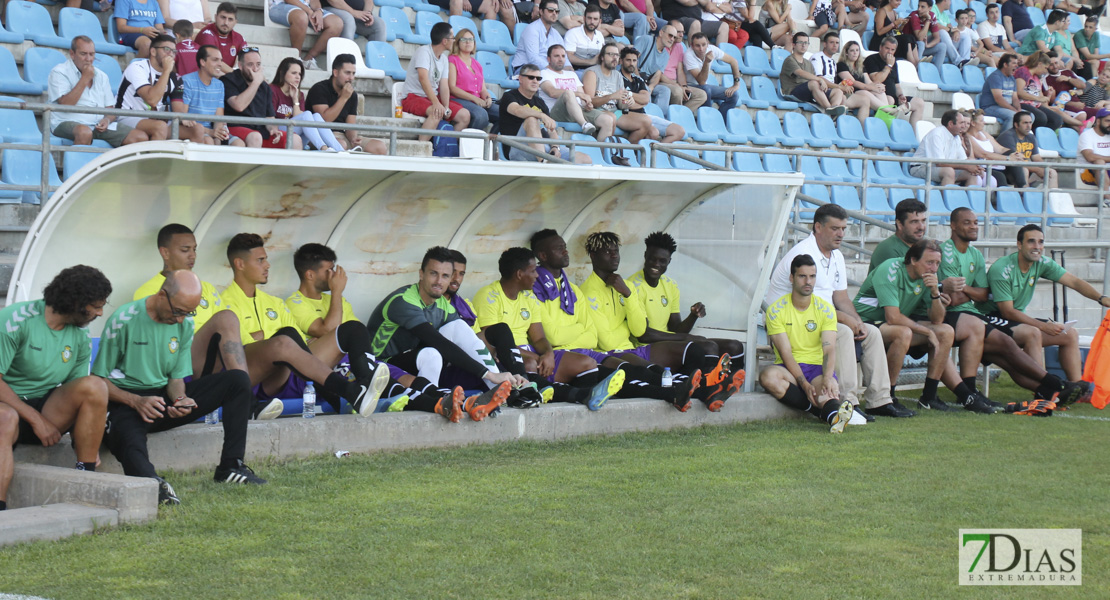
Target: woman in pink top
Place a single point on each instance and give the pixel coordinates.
(289, 104)
(468, 85)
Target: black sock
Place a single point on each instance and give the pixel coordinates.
(795, 398)
(963, 393)
(637, 388)
(692, 358)
(710, 362)
(829, 409)
(354, 340)
(3, 505)
(587, 379)
(504, 347)
(393, 389)
(86, 466)
(1050, 384)
(568, 393)
(970, 383)
(930, 392)
(893, 396)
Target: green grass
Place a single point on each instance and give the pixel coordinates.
(763, 510)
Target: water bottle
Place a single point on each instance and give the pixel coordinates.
(212, 418)
(308, 411)
(668, 379)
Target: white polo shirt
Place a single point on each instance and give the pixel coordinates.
(832, 274)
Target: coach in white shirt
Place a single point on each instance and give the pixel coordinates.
(830, 222)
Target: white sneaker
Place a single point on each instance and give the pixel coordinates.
(377, 386)
(273, 410)
(311, 65)
(857, 419)
(588, 128)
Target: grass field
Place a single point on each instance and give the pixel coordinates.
(762, 510)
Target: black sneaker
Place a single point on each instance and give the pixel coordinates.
(978, 403)
(1088, 390)
(166, 495)
(525, 397)
(865, 416)
(240, 473)
(935, 404)
(1071, 393)
(894, 409)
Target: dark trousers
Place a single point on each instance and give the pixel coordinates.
(230, 390)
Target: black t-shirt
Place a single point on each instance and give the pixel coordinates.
(876, 63)
(672, 9)
(608, 15)
(635, 85)
(510, 123)
(323, 92)
(842, 67)
(261, 106)
(355, 4)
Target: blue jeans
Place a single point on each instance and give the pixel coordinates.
(944, 49)
(317, 136)
(635, 25)
(716, 93)
(661, 97)
(480, 118)
(1004, 115)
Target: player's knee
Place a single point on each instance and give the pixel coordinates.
(92, 390)
(293, 335)
(238, 383)
(9, 424)
(944, 333)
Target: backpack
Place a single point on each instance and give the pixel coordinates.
(443, 145)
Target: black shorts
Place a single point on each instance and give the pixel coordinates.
(26, 432)
(988, 322)
(1004, 325)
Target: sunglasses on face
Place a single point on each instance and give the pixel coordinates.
(532, 77)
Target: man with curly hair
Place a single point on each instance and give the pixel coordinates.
(45, 386)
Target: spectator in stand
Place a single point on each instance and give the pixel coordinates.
(947, 21)
(965, 21)
(77, 82)
(1030, 90)
(881, 68)
(1063, 85)
(1094, 147)
(824, 66)
(150, 84)
(711, 23)
(850, 72)
(186, 47)
(774, 20)
(998, 99)
(222, 34)
(427, 93)
(246, 94)
(830, 15)
(1043, 37)
(467, 82)
(887, 23)
(1016, 20)
(993, 34)
(698, 62)
(605, 87)
(982, 145)
(298, 16)
(1095, 96)
(523, 112)
(537, 37)
(583, 43)
(204, 95)
(572, 13)
(486, 9)
(613, 21)
(290, 104)
(944, 143)
(641, 90)
(1021, 142)
(561, 90)
(932, 39)
(358, 19)
(664, 56)
(687, 12)
(138, 22)
(634, 10)
(194, 12)
(1086, 43)
(334, 100)
(799, 80)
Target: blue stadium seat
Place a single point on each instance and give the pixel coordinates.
(811, 166)
(1034, 202)
(380, 55)
(756, 63)
(849, 129)
(746, 99)
(836, 169)
(980, 10)
(794, 124)
(420, 6)
(973, 80)
(734, 52)
(777, 163)
(740, 123)
(877, 130)
(935, 204)
(902, 133)
(661, 159)
(958, 5)
(824, 128)
(33, 21)
(951, 80)
(765, 89)
(73, 22)
(495, 33)
(22, 167)
(424, 23)
(592, 151)
(717, 157)
(19, 126)
(845, 196)
(391, 3)
(1036, 15)
(954, 199)
(778, 55)
(1047, 140)
(38, 62)
(878, 201)
(929, 73)
(1008, 203)
(459, 22)
(10, 80)
(681, 163)
(678, 113)
(978, 201)
(1069, 142)
(654, 110)
(517, 31)
(9, 37)
(493, 70)
(747, 162)
(817, 192)
(767, 124)
(711, 121)
(396, 23)
(885, 171)
(110, 66)
(73, 161)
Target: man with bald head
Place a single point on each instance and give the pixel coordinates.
(145, 360)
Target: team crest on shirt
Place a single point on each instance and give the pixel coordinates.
(173, 345)
(203, 302)
(972, 267)
(524, 314)
(67, 353)
(1032, 280)
(620, 299)
(663, 300)
(916, 290)
(811, 325)
(272, 314)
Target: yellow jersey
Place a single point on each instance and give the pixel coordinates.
(568, 332)
(618, 319)
(659, 302)
(305, 310)
(802, 328)
(210, 301)
(492, 306)
(262, 312)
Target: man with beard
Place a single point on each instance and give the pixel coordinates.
(457, 300)
(802, 329)
(583, 44)
(246, 94)
(222, 34)
(605, 87)
(46, 389)
(642, 91)
(911, 218)
(1094, 147)
(1021, 140)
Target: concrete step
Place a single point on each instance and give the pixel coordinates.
(390, 121)
(134, 499)
(52, 522)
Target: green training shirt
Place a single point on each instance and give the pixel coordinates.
(138, 353)
(890, 285)
(969, 265)
(34, 358)
(1007, 282)
(891, 247)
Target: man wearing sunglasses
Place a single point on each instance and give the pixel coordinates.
(246, 94)
(145, 359)
(538, 37)
(523, 112)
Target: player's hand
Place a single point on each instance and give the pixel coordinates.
(549, 123)
(811, 392)
(181, 407)
(317, 19)
(47, 433)
(698, 310)
(221, 131)
(337, 280)
(546, 367)
(1051, 328)
(830, 388)
(168, 64)
(498, 378)
(954, 284)
(102, 125)
(435, 111)
(615, 281)
(931, 339)
(149, 32)
(930, 280)
(149, 407)
(945, 300)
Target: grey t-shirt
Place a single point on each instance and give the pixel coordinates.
(1026, 145)
(607, 85)
(437, 69)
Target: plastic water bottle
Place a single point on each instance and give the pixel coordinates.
(668, 379)
(309, 409)
(212, 418)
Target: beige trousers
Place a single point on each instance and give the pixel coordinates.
(876, 378)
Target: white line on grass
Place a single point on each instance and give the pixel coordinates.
(1083, 417)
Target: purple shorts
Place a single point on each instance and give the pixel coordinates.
(812, 372)
(594, 354)
(396, 372)
(293, 388)
(558, 359)
(643, 352)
